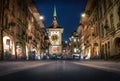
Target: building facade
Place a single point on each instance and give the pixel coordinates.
(20, 31)
(65, 48)
(99, 29)
(74, 44)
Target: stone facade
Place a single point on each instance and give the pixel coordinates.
(99, 29)
(20, 30)
(74, 43)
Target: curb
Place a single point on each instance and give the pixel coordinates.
(105, 68)
(6, 72)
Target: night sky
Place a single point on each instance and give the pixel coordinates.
(68, 13)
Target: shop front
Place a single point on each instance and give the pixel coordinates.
(20, 51)
(8, 48)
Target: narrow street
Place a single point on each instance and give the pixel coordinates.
(61, 71)
(60, 40)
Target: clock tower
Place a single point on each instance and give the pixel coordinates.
(55, 36)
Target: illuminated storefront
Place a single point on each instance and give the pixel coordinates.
(8, 47)
(20, 51)
(95, 51)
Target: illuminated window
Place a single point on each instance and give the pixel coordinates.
(75, 50)
(75, 40)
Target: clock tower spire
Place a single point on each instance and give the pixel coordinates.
(55, 13)
(55, 23)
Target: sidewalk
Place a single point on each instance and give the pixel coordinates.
(111, 66)
(7, 67)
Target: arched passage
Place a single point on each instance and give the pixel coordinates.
(117, 46)
(20, 50)
(8, 48)
(95, 50)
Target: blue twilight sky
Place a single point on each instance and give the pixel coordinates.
(68, 13)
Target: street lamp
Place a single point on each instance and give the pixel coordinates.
(41, 17)
(84, 18)
(83, 15)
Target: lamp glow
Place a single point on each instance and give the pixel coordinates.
(41, 17)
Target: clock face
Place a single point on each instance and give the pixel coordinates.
(54, 37)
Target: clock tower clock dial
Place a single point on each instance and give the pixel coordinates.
(54, 37)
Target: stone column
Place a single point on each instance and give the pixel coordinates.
(1, 45)
(1, 28)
